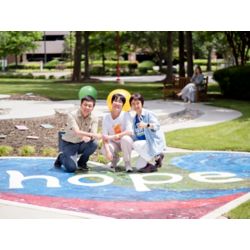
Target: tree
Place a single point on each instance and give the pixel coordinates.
(181, 53)
(102, 46)
(189, 42)
(239, 42)
(153, 42)
(17, 42)
(76, 76)
(169, 78)
(86, 56)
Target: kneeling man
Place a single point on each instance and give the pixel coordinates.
(80, 137)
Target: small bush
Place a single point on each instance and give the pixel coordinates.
(203, 62)
(18, 76)
(40, 77)
(51, 77)
(49, 151)
(234, 82)
(145, 66)
(5, 150)
(96, 70)
(132, 67)
(26, 150)
(52, 64)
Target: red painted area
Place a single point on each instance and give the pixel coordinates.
(192, 209)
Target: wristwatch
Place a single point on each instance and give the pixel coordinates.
(148, 125)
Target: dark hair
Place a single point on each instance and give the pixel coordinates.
(136, 97)
(199, 68)
(117, 97)
(88, 98)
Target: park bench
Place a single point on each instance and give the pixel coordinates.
(178, 83)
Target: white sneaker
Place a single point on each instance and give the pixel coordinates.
(110, 167)
(129, 169)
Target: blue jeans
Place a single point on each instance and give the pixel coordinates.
(70, 152)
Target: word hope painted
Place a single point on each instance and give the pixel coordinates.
(140, 181)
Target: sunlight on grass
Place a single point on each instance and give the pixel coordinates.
(233, 135)
(241, 212)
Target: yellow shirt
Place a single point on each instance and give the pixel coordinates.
(77, 121)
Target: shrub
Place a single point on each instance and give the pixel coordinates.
(203, 62)
(52, 64)
(5, 150)
(234, 82)
(49, 151)
(51, 77)
(96, 70)
(40, 77)
(18, 76)
(27, 150)
(145, 66)
(132, 66)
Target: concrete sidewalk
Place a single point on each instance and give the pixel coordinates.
(163, 109)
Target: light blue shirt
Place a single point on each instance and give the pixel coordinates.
(154, 135)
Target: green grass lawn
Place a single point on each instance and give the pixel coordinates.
(240, 212)
(56, 90)
(233, 135)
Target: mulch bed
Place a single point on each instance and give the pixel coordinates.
(47, 137)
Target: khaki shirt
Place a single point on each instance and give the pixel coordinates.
(77, 121)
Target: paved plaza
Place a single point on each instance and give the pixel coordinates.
(189, 184)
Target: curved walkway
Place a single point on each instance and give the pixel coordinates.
(163, 109)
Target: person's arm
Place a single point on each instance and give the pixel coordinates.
(105, 139)
(193, 78)
(86, 136)
(199, 79)
(152, 124)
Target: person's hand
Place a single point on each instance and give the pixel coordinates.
(98, 136)
(105, 138)
(142, 125)
(109, 156)
(86, 138)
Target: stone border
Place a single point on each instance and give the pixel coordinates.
(219, 212)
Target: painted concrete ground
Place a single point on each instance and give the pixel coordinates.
(188, 185)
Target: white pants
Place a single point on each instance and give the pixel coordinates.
(188, 92)
(141, 147)
(125, 145)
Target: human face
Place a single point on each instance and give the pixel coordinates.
(117, 105)
(86, 108)
(197, 71)
(136, 106)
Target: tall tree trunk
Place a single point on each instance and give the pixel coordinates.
(189, 42)
(209, 54)
(103, 58)
(169, 78)
(16, 61)
(161, 57)
(230, 39)
(76, 76)
(181, 53)
(86, 55)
